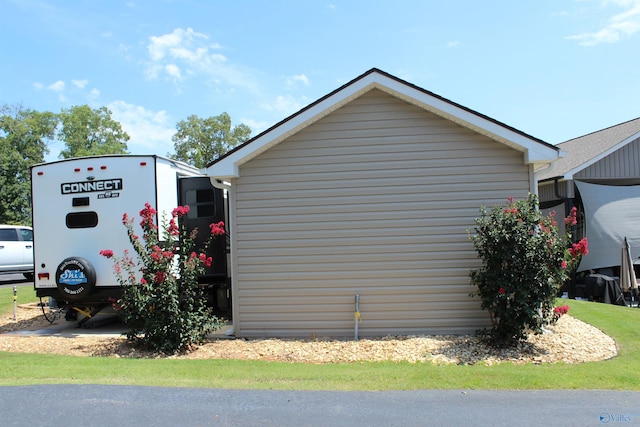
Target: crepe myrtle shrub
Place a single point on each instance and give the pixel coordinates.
(525, 262)
(162, 304)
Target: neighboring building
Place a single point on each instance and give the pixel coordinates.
(600, 175)
(369, 191)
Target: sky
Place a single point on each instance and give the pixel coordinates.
(554, 69)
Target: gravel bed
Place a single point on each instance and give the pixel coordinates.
(569, 341)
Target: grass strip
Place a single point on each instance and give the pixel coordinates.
(620, 373)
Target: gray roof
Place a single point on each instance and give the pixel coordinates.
(584, 151)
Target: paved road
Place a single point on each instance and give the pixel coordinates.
(14, 279)
(100, 405)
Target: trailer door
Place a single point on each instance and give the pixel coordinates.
(206, 206)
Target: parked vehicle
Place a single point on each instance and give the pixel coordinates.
(16, 250)
(78, 206)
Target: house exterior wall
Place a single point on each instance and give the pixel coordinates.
(547, 190)
(621, 164)
(373, 200)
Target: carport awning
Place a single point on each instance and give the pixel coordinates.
(611, 214)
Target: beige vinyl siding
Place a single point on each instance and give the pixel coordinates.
(374, 199)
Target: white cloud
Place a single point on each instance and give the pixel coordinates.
(301, 78)
(184, 54)
(188, 47)
(80, 84)
(256, 126)
(285, 104)
(94, 95)
(173, 70)
(618, 27)
(453, 43)
(150, 131)
(57, 86)
(38, 86)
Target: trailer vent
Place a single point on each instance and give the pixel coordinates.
(80, 201)
(82, 219)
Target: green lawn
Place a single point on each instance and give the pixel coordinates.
(620, 373)
(25, 294)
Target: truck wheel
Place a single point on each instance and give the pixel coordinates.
(75, 278)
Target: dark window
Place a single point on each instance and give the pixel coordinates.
(201, 203)
(8, 235)
(82, 220)
(27, 235)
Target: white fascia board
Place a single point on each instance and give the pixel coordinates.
(535, 152)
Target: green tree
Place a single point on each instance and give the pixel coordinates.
(200, 141)
(23, 142)
(89, 132)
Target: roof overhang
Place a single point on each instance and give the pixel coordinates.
(570, 173)
(536, 152)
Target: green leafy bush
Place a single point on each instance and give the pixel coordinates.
(162, 303)
(525, 262)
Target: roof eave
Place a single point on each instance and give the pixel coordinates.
(535, 151)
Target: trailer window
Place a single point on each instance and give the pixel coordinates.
(82, 220)
(201, 203)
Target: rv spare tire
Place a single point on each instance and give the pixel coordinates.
(75, 278)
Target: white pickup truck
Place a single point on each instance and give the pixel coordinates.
(16, 250)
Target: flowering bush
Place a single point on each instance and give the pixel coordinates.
(162, 303)
(560, 311)
(525, 262)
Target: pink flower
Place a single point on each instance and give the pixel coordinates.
(563, 264)
(180, 211)
(148, 216)
(108, 253)
(217, 229)
(143, 281)
(173, 228)
(580, 248)
(501, 291)
(160, 277)
(571, 219)
(564, 309)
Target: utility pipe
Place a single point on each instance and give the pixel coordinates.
(357, 316)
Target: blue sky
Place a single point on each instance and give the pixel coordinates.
(555, 69)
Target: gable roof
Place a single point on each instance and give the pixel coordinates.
(536, 151)
(586, 150)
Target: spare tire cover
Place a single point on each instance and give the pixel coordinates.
(75, 278)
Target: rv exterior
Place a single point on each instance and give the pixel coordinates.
(78, 205)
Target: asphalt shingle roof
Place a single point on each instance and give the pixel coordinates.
(581, 152)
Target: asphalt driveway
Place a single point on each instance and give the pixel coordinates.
(100, 405)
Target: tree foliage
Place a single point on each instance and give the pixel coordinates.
(525, 262)
(88, 132)
(200, 141)
(23, 142)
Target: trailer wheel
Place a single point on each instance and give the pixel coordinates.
(75, 278)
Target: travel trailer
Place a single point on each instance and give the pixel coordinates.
(78, 205)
